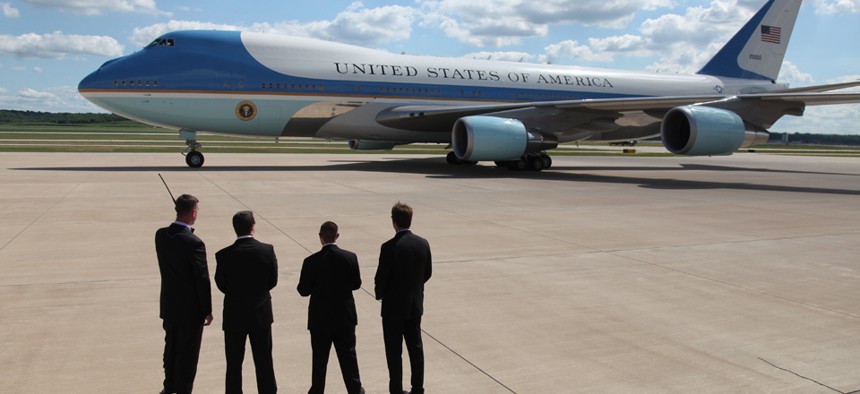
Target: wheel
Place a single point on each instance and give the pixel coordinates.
(547, 161)
(451, 158)
(194, 159)
(518, 165)
(536, 163)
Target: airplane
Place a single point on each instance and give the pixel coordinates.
(511, 113)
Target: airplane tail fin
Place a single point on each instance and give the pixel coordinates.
(758, 49)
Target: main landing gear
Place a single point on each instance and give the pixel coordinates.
(529, 161)
(193, 157)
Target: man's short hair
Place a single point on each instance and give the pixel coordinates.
(401, 213)
(185, 204)
(328, 231)
(242, 222)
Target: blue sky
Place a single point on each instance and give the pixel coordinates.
(47, 46)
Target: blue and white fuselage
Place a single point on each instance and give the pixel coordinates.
(271, 85)
(195, 79)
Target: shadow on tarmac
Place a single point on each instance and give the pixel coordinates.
(437, 168)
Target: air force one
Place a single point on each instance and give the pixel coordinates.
(510, 113)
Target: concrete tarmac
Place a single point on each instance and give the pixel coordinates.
(603, 274)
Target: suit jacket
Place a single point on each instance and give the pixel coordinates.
(186, 296)
(245, 272)
(404, 265)
(329, 277)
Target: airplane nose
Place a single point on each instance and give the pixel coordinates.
(87, 82)
(100, 78)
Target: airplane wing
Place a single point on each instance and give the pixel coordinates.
(820, 88)
(442, 117)
(560, 117)
(763, 110)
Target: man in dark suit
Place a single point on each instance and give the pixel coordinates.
(186, 299)
(246, 271)
(404, 267)
(329, 277)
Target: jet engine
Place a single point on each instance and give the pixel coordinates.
(476, 138)
(371, 145)
(697, 130)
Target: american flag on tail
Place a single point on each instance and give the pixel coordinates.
(771, 34)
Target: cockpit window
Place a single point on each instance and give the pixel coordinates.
(162, 42)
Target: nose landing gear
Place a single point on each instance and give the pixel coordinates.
(193, 157)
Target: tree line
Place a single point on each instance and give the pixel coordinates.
(65, 118)
(814, 139)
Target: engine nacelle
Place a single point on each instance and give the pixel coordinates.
(371, 145)
(697, 130)
(476, 138)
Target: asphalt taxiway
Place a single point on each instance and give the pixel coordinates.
(602, 274)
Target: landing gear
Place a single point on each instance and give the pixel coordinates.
(530, 161)
(533, 161)
(193, 157)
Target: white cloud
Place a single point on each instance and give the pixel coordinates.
(355, 25)
(627, 45)
(489, 31)
(9, 11)
(681, 43)
(508, 22)
(55, 99)
(501, 56)
(836, 6)
(368, 25)
(57, 45)
(99, 7)
(144, 35)
(569, 49)
(795, 78)
(358, 25)
(35, 94)
(476, 23)
(610, 14)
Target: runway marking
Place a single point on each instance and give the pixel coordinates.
(804, 377)
(257, 214)
(454, 352)
(39, 217)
